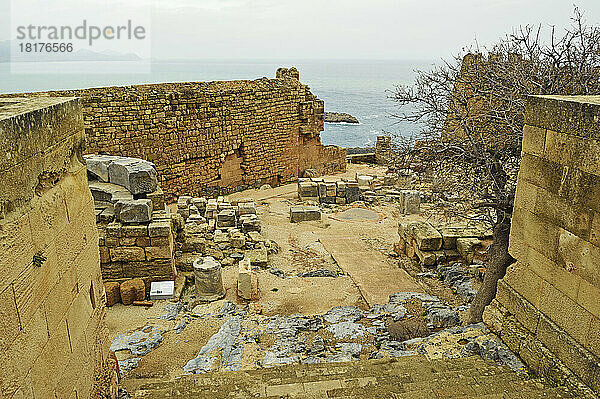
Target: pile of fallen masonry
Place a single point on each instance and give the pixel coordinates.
(134, 226)
(328, 193)
(213, 233)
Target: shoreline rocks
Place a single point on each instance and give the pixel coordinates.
(340, 117)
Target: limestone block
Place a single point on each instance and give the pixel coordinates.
(328, 200)
(322, 189)
(211, 209)
(238, 240)
(426, 236)
(132, 290)
(246, 208)
(340, 200)
(466, 247)
(134, 230)
(426, 258)
(249, 223)
(194, 243)
(193, 210)
(158, 199)
(208, 280)
(258, 257)
(308, 189)
(304, 213)
(452, 232)
(330, 190)
(244, 283)
(200, 203)
(196, 219)
(134, 211)
(411, 202)
(226, 218)
(127, 254)
(137, 175)
(341, 189)
(108, 192)
(364, 180)
(107, 215)
(223, 205)
(97, 166)
(184, 201)
(221, 236)
(256, 237)
(113, 292)
(163, 252)
(352, 192)
(159, 228)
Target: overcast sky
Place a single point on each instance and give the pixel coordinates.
(346, 29)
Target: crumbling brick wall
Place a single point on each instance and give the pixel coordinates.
(229, 135)
(53, 340)
(547, 308)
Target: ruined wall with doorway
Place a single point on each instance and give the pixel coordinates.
(225, 135)
(547, 308)
(53, 340)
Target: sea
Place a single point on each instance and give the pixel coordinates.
(358, 87)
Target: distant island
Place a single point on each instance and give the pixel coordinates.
(339, 117)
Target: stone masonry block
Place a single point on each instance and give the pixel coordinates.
(137, 175)
(534, 140)
(304, 213)
(161, 228)
(134, 211)
(113, 293)
(426, 236)
(411, 202)
(158, 199)
(565, 312)
(133, 290)
(244, 283)
(127, 254)
(97, 166)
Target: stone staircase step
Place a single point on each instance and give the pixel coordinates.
(407, 377)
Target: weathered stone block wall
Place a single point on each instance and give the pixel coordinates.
(132, 251)
(219, 134)
(547, 307)
(53, 340)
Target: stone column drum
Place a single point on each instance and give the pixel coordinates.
(209, 284)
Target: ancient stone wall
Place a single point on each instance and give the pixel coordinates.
(547, 308)
(219, 134)
(53, 340)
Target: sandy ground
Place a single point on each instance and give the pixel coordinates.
(358, 250)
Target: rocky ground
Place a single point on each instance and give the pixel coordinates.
(335, 291)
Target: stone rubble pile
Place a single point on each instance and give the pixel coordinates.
(226, 232)
(437, 245)
(134, 225)
(365, 188)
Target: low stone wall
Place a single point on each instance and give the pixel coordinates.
(132, 251)
(547, 308)
(53, 340)
(220, 135)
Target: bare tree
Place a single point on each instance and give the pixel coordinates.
(472, 109)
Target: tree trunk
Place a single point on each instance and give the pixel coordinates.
(498, 261)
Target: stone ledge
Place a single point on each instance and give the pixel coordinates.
(575, 115)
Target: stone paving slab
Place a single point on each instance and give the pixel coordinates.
(374, 276)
